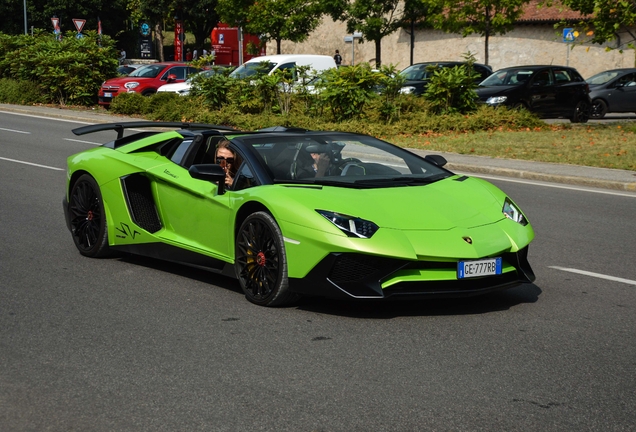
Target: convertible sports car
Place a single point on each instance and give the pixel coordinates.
(380, 223)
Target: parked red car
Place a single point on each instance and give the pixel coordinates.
(145, 80)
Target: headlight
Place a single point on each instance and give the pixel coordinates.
(350, 225)
(131, 85)
(495, 100)
(407, 90)
(511, 211)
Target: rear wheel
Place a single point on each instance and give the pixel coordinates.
(581, 112)
(599, 109)
(261, 263)
(88, 220)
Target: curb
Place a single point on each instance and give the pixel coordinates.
(552, 178)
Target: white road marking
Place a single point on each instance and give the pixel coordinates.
(596, 275)
(16, 131)
(552, 185)
(46, 118)
(83, 142)
(33, 164)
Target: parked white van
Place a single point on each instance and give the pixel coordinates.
(317, 63)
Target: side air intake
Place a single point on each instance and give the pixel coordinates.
(140, 202)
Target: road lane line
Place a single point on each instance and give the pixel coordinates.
(47, 118)
(596, 275)
(83, 142)
(552, 185)
(16, 131)
(32, 164)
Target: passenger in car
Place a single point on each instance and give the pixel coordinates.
(229, 161)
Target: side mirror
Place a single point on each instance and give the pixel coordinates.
(172, 78)
(209, 172)
(438, 160)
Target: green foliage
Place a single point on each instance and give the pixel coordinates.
(606, 18)
(348, 89)
(19, 92)
(214, 89)
(130, 104)
(67, 72)
(276, 20)
(390, 84)
(452, 89)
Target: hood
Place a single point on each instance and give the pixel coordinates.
(120, 81)
(486, 92)
(443, 205)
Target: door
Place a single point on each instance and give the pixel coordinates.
(542, 92)
(624, 95)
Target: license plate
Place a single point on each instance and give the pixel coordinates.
(108, 94)
(485, 267)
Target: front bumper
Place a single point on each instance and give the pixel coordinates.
(358, 276)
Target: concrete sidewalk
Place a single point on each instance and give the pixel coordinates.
(550, 172)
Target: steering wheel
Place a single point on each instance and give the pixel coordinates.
(345, 162)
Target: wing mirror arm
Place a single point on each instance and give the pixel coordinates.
(209, 172)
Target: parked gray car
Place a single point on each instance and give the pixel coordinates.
(613, 91)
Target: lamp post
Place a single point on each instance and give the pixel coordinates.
(351, 39)
(25, 19)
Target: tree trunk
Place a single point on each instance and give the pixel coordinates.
(412, 39)
(378, 53)
(278, 46)
(487, 36)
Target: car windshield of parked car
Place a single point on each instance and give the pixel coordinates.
(148, 71)
(508, 77)
(348, 160)
(602, 78)
(251, 69)
(416, 72)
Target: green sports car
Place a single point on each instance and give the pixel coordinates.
(332, 214)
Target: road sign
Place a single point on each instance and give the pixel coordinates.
(79, 24)
(569, 35)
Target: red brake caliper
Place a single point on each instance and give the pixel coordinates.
(89, 216)
(260, 259)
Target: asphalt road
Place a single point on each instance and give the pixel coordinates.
(138, 344)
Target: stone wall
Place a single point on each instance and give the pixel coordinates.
(527, 44)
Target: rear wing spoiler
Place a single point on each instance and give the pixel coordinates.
(121, 126)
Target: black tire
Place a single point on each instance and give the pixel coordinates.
(88, 219)
(149, 92)
(599, 109)
(261, 263)
(581, 112)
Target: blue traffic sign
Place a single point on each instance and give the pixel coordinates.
(568, 35)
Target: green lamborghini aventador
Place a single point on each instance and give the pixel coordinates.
(308, 213)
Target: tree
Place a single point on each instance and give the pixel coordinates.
(276, 20)
(484, 17)
(607, 17)
(418, 14)
(373, 18)
(200, 18)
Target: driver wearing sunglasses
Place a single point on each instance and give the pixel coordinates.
(228, 160)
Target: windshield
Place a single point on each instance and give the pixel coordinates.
(508, 77)
(603, 77)
(148, 71)
(338, 159)
(417, 72)
(252, 68)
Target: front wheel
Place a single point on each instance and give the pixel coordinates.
(581, 112)
(88, 220)
(599, 109)
(261, 263)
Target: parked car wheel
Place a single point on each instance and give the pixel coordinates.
(149, 92)
(261, 263)
(88, 220)
(599, 109)
(581, 112)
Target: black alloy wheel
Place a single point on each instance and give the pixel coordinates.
(88, 220)
(599, 109)
(581, 112)
(261, 263)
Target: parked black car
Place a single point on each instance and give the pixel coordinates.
(549, 91)
(613, 91)
(418, 75)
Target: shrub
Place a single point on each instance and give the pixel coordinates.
(213, 89)
(19, 92)
(347, 90)
(452, 89)
(130, 104)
